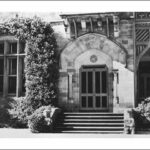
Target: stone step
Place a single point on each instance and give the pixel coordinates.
(89, 127)
(91, 132)
(92, 113)
(93, 117)
(94, 120)
(91, 124)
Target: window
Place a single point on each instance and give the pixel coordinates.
(13, 48)
(1, 74)
(2, 48)
(12, 76)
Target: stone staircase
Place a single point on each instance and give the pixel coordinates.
(90, 122)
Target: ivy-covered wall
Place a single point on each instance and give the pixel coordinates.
(41, 60)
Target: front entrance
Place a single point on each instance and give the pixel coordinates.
(143, 80)
(94, 88)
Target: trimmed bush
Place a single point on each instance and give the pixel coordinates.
(19, 112)
(5, 118)
(142, 114)
(37, 121)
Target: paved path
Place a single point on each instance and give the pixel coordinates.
(25, 133)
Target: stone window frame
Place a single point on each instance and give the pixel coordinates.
(7, 56)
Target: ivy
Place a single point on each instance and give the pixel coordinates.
(41, 60)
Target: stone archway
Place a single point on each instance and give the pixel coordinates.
(79, 52)
(89, 42)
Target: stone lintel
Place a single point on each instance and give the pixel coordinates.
(70, 70)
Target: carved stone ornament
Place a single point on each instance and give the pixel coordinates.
(93, 58)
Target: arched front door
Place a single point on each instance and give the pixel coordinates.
(93, 87)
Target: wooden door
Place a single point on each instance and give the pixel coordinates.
(93, 88)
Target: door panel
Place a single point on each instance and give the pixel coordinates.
(84, 82)
(104, 82)
(93, 85)
(97, 82)
(90, 82)
(98, 102)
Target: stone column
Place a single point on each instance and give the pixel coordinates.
(67, 28)
(83, 25)
(70, 89)
(75, 28)
(115, 91)
(107, 25)
(70, 85)
(116, 26)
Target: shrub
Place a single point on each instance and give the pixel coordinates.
(37, 121)
(41, 65)
(19, 112)
(4, 113)
(142, 114)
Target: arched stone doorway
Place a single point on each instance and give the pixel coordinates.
(143, 76)
(93, 54)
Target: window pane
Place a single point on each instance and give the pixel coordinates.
(83, 101)
(13, 66)
(23, 85)
(13, 48)
(104, 82)
(83, 82)
(23, 77)
(97, 82)
(98, 102)
(1, 48)
(90, 101)
(1, 83)
(22, 47)
(12, 85)
(90, 82)
(1, 66)
(104, 101)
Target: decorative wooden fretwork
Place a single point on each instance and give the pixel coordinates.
(142, 31)
(142, 35)
(142, 16)
(140, 48)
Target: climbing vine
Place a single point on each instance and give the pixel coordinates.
(41, 60)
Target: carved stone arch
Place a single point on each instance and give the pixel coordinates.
(89, 42)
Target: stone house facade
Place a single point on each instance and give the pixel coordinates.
(105, 66)
(104, 61)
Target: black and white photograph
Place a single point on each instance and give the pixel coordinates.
(66, 74)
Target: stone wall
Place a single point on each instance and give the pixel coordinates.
(78, 53)
(126, 39)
